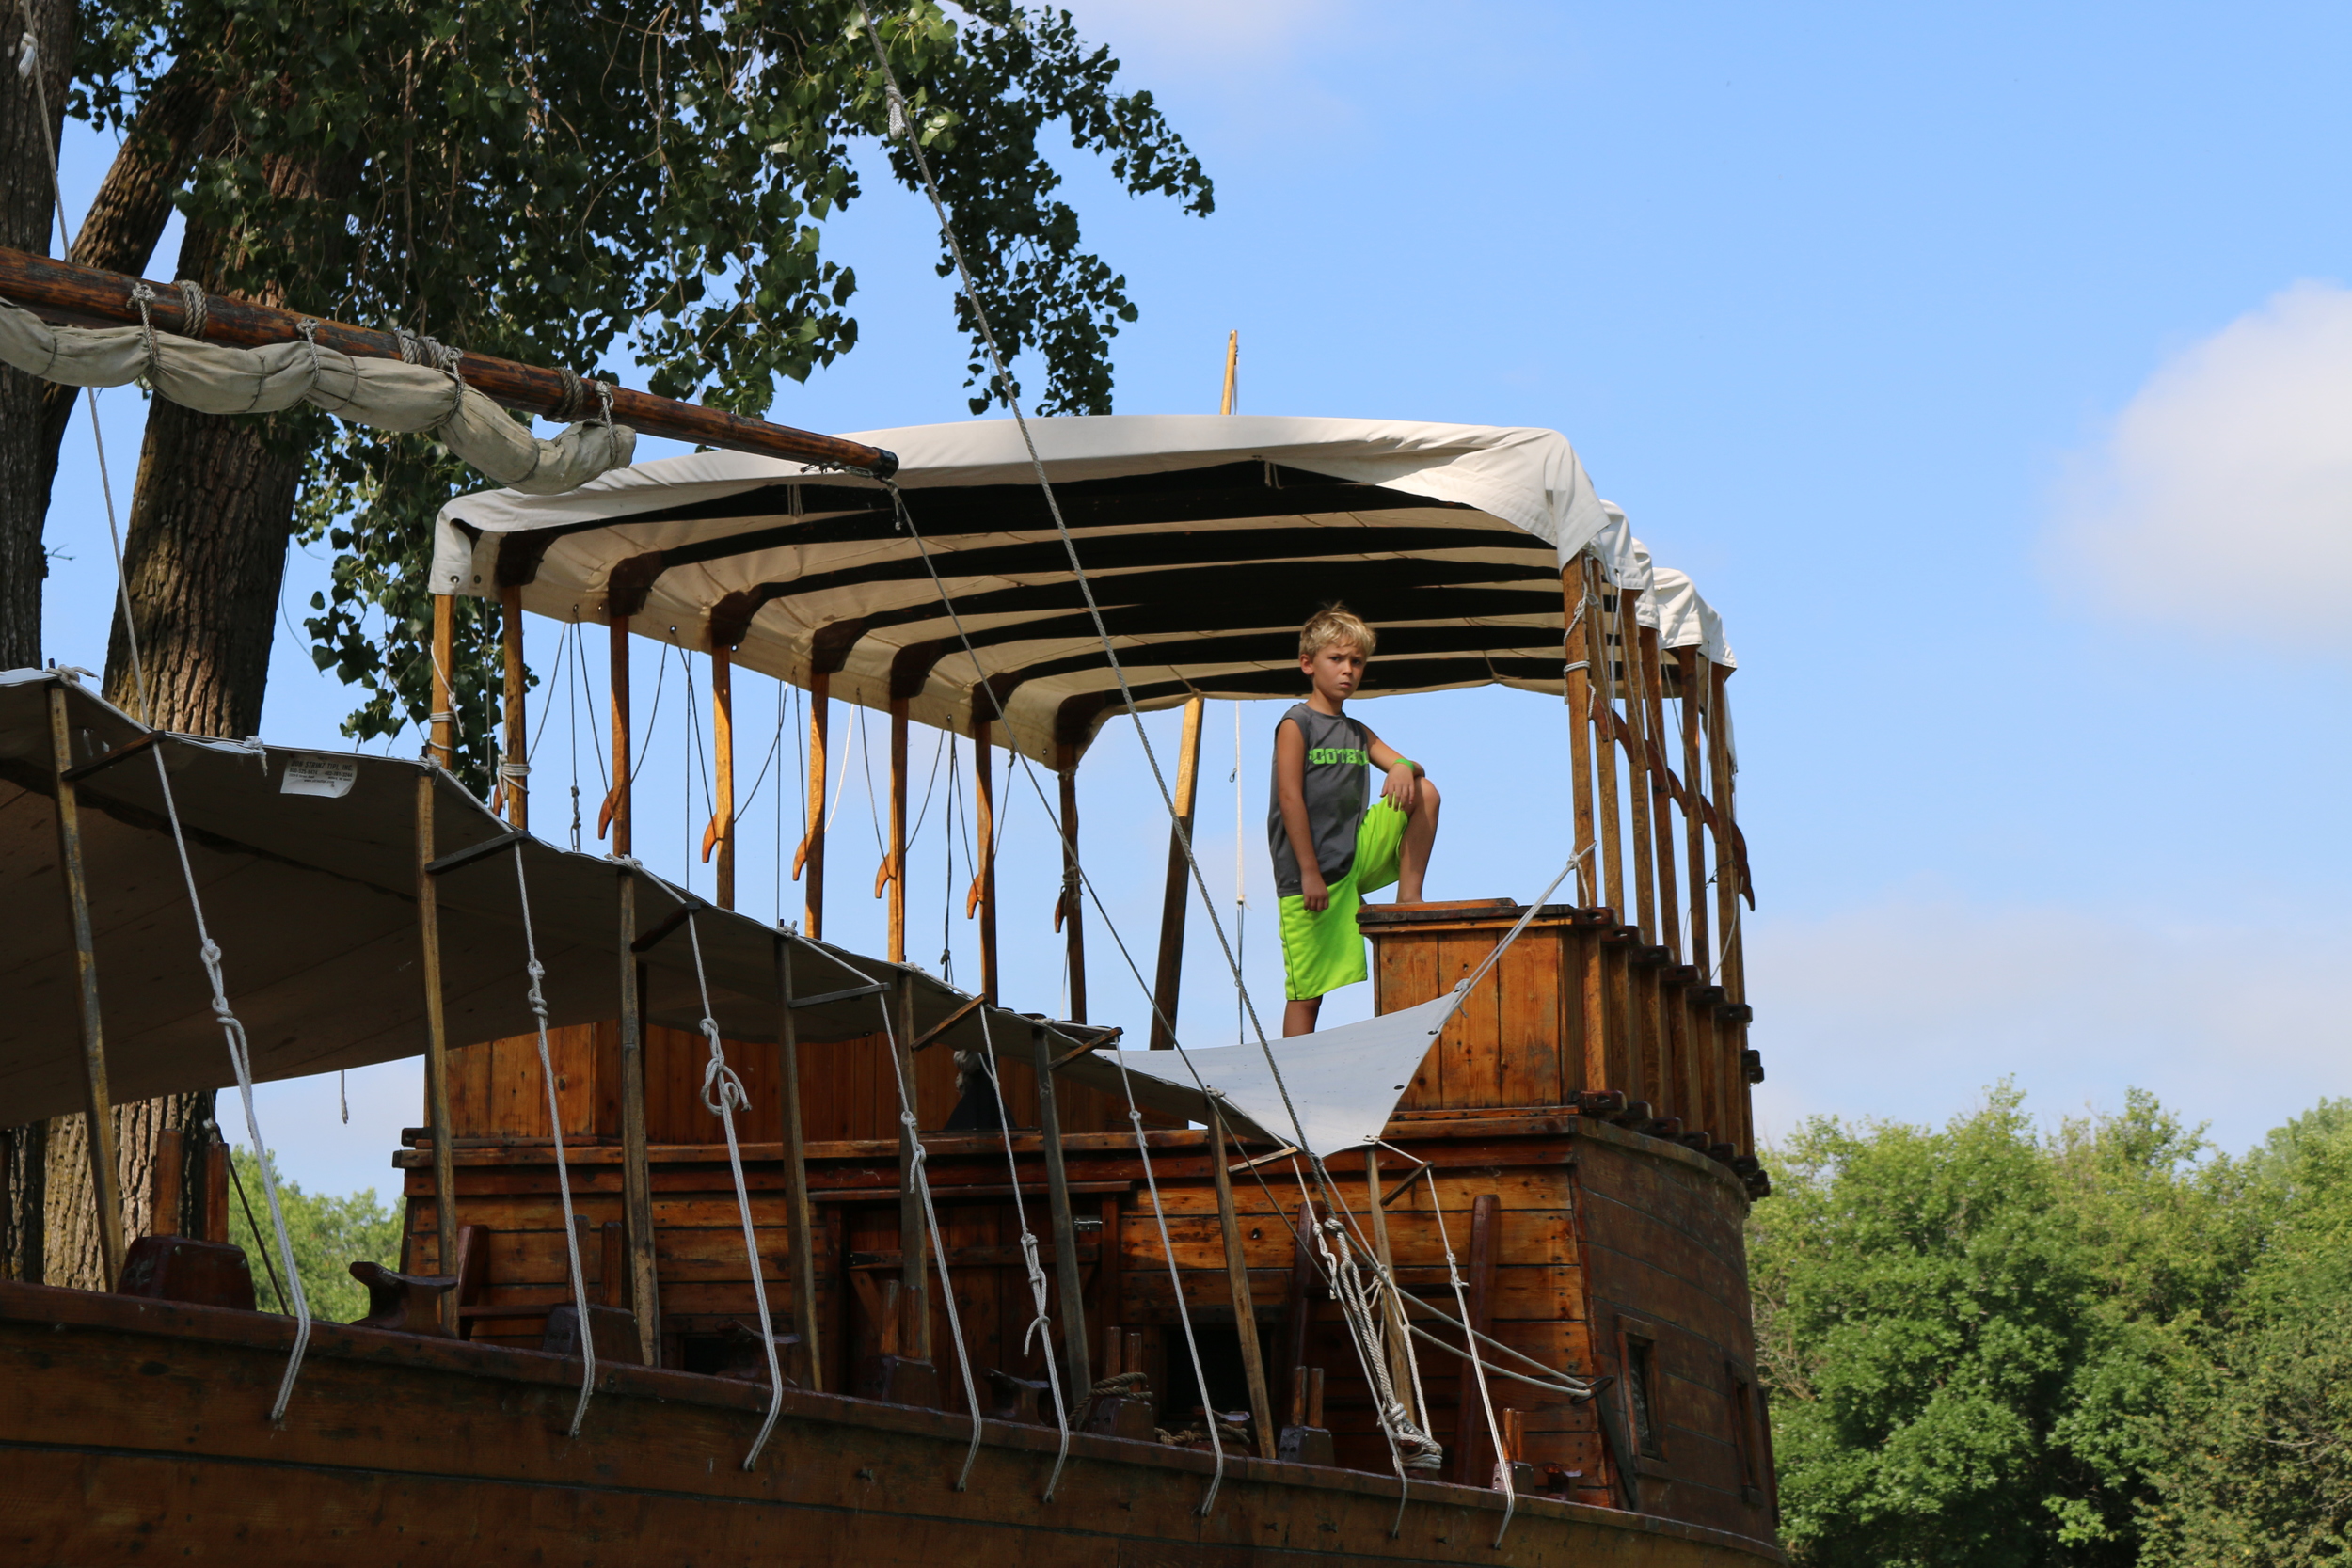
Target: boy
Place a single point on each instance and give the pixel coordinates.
(1329, 850)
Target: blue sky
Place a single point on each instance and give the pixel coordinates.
(1991, 369)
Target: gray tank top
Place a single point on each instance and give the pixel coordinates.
(1339, 754)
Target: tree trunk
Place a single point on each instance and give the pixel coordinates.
(29, 216)
(71, 1248)
(127, 218)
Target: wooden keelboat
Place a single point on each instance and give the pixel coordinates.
(1549, 1203)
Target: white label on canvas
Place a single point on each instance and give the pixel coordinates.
(315, 775)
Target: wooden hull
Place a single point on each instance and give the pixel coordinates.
(131, 1427)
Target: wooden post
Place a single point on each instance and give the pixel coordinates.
(435, 1050)
(1072, 892)
(914, 1236)
(1605, 737)
(796, 1214)
(812, 851)
(894, 867)
(1237, 1276)
(636, 1176)
(1177, 899)
(515, 776)
(1637, 770)
(1392, 1311)
(1073, 1312)
(1727, 884)
(215, 1226)
(615, 812)
(1232, 363)
(1580, 688)
(1469, 1421)
(1299, 1304)
(169, 1182)
(97, 1104)
(1660, 795)
(444, 653)
(983, 897)
(720, 835)
(1692, 663)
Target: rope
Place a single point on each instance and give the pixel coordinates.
(1040, 1330)
(562, 1171)
(197, 307)
(723, 1092)
(1486, 1396)
(930, 1221)
(1168, 1250)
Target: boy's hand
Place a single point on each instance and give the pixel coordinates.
(1311, 891)
(1397, 789)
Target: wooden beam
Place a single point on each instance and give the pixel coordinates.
(515, 778)
(1391, 1311)
(894, 865)
(1637, 772)
(615, 811)
(1728, 878)
(1177, 899)
(1693, 665)
(1232, 363)
(1605, 746)
(720, 835)
(1072, 889)
(1657, 792)
(1237, 1279)
(435, 1049)
(1470, 1442)
(63, 291)
(982, 899)
(1580, 693)
(444, 652)
(796, 1213)
(636, 1171)
(97, 1102)
(1073, 1312)
(1298, 1306)
(811, 854)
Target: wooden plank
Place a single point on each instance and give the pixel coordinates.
(1605, 736)
(810, 855)
(800, 1232)
(436, 1039)
(1627, 653)
(1237, 1278)
(1472, 1454)
(1064, 1224)
(1661, 798)
(1176, 897)
(1525, 987)
(1585, 950)
(514, 778)
(1073, 906)
(719, 837)
(982, 899)
(1690, 662)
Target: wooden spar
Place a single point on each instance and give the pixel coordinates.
(1237, 1277)
(1469, 1420)
(1637, 772)
(1605, 736)
(981, 900)
(1654, 759)
(1177, 899)
(796, 1216)
(1580, 691)
(436, 1114)
(811, 854)
(1074, 1313)
(1232, 363)
(1691, 663)
(514, 777)
(444, 655)
(97, 1104)
(636, 1175)
(1072, 891)
(914, 1236)
(63, 291)
(1393, 1328)
(894, 867)
(720, 835)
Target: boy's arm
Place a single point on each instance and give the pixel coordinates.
(1290, 789)
(1397, 786)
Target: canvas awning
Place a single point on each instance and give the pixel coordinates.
(307, 865)
(1208, 539)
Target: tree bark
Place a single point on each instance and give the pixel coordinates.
(129, 215)
(29, 216)
(70, 1253)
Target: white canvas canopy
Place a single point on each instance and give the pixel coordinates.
(306, 862)
(1208, 539)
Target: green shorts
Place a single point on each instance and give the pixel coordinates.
(1324, 950)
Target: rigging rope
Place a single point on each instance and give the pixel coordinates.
(538, 1002)
(723, 1094)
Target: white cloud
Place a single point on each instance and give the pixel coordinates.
(1908, 1008)
(2227, 478)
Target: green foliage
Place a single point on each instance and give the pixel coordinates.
(548, 182)
(1967, 1333)
(328, 1233)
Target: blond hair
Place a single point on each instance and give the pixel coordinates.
(1334, 624)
